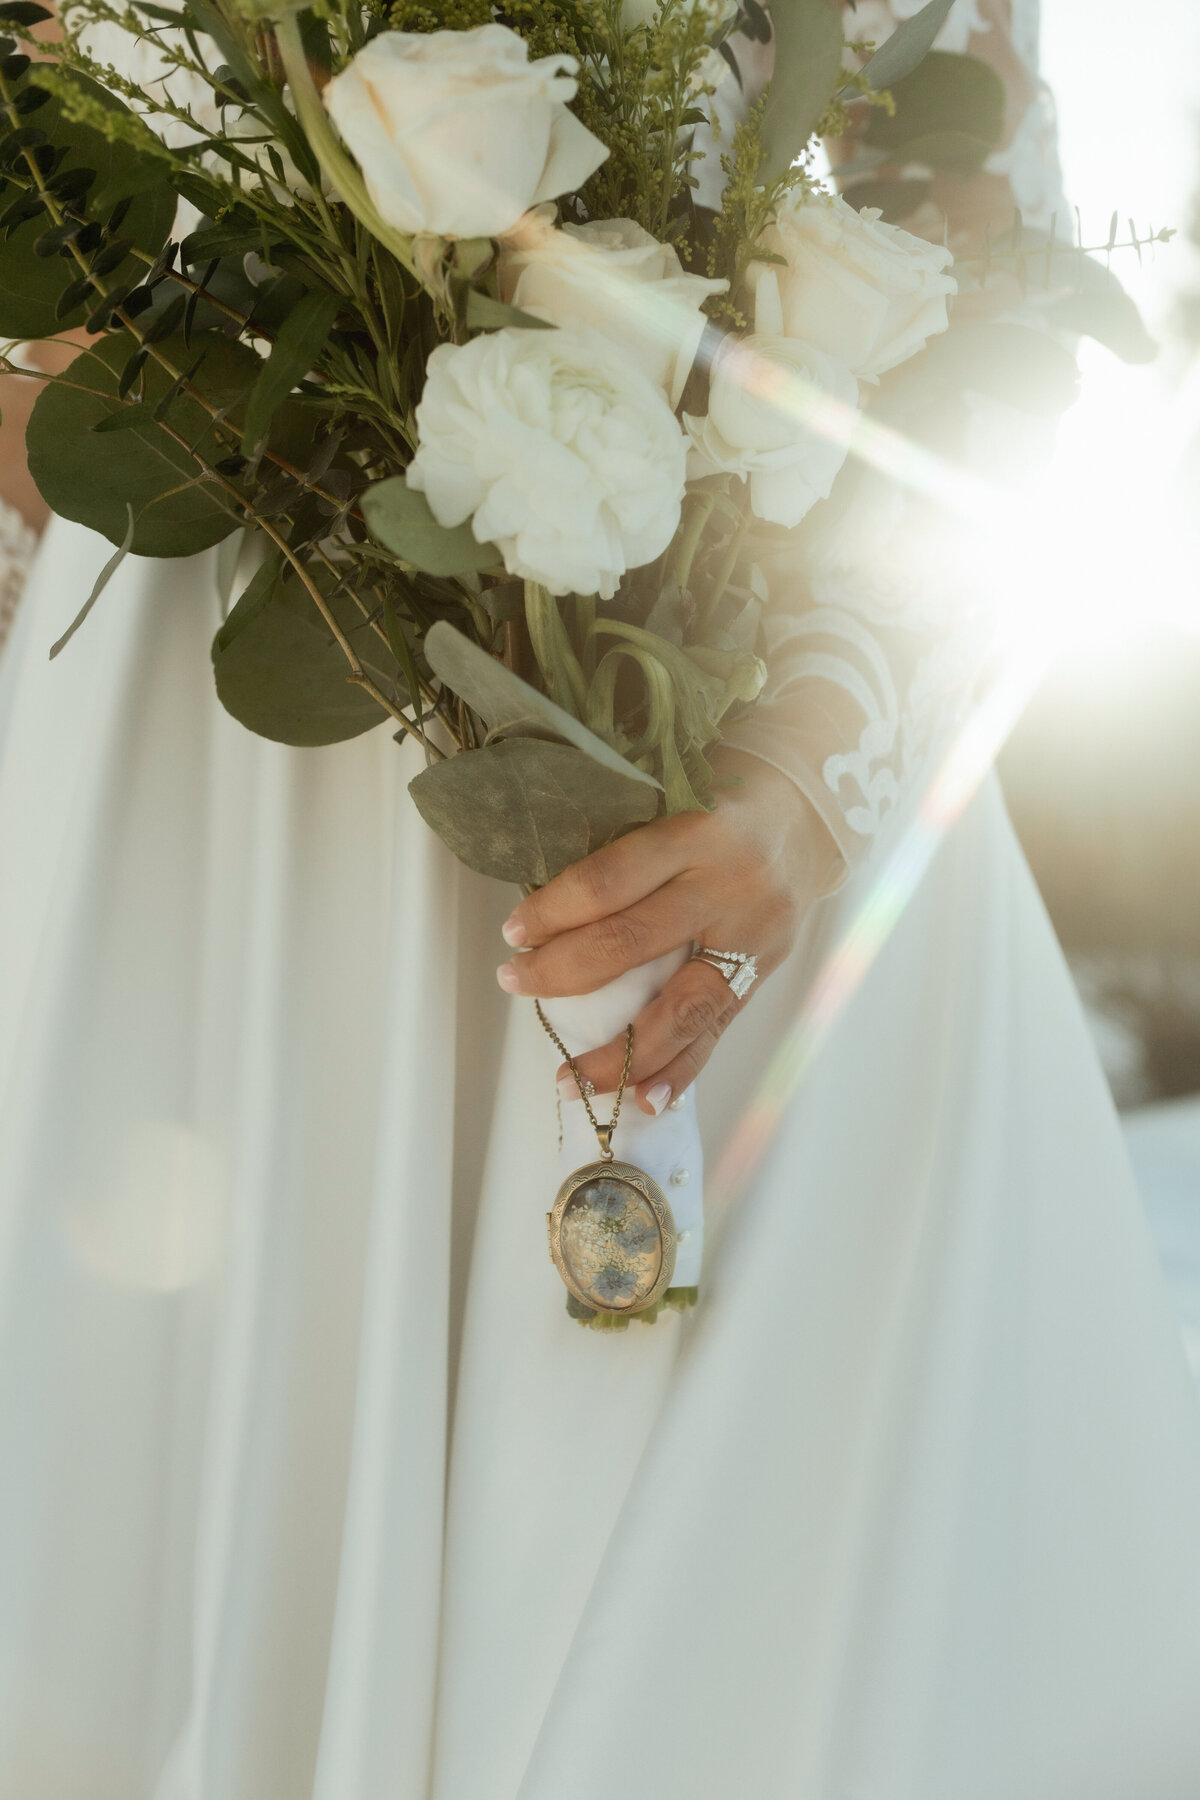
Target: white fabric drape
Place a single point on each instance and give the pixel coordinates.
(308, 1485)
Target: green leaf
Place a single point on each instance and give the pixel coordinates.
(957, 153)
(399, 518)
(1082, 292)
(30, 285)
(101, 582)
(503, 701)
(293, 353)
(895, 200)
(1024, 368)
(486, 314)
(945, 97)
(251, 600)
(176, 512)
(1109, 316)
(908, 45)
(808, 65)
(524, 810)
(233, 237)
(282, 674)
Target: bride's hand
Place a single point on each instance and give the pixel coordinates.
(739, 878)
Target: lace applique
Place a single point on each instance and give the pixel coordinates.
(896, 745)
(1029, 163)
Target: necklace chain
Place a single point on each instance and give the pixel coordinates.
(603, 1132)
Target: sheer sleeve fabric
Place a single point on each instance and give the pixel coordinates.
(873, 646)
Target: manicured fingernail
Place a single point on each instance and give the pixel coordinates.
(568, 1087)
(508, 978)
(658, 1096)
(513, 933)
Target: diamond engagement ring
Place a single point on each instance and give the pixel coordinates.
(739, 968)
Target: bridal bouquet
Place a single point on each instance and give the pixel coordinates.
(496, 365)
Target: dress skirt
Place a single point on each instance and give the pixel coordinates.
(309, 1487)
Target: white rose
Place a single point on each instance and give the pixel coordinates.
(558, 449)
(613, 276)
(767, 395)
(457, 133)
(867, 293)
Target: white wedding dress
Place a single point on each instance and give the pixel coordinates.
(309, 1487)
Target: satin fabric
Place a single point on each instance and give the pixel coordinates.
(308, 1485)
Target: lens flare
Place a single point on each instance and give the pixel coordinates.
(1104, 546)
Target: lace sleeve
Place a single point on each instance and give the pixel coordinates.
(873, 646)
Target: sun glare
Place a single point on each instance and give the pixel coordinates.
(1108, 546)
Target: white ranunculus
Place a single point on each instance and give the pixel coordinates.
(613, 276)
(557, 448)
(457, 133)
(769, 421)
(867, 293)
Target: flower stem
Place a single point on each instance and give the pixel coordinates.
(350, 186)
(551, 646)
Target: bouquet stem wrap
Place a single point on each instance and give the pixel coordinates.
(668, 1148)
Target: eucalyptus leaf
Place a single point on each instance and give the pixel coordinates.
(101, 582)
(894, 200)
(486, 314)
(959, 99)
(399, 518)
(1025, 368)
(1109, 316)
(524, 810)
(176, 511)
(503, 700)
(293, 353)
(1082, 293)
(957, 153)
(908, 45)
(808, 60)
(32, 285)
(280, 671)
(233, 237)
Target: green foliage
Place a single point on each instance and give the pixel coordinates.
(506, 704)
(808, 60)
(301, 337)
(948, 113)
(747, 207)
(123, 226)
(523, 809)
(266, 374)
(894, 200)
(280, 671)
(909, 45)
(158, 464)
(1024, 368)
(399, 518)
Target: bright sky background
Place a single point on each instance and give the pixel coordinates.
(1126, 78)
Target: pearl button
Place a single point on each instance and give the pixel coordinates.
(685, 1237)
(679, 1102)
(680, 1177)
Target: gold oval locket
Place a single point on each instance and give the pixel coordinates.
(612, 1237)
